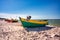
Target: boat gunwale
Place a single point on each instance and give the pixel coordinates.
(35, 21)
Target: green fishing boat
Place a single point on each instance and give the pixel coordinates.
(33, 23)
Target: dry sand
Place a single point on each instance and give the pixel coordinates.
(14, 31)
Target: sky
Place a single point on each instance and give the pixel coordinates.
(38, 9)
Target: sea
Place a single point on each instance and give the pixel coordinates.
(54, 22)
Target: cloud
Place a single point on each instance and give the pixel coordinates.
(15, 16)
(34, 16)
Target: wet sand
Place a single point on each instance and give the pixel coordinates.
(15, 31)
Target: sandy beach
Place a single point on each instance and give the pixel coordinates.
(15, 31)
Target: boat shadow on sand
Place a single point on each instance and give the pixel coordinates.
(39, 28)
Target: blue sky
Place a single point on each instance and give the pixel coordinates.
(38, 9)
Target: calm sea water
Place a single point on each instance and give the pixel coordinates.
(55, 22)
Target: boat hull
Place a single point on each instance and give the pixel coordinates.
(31, 24)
